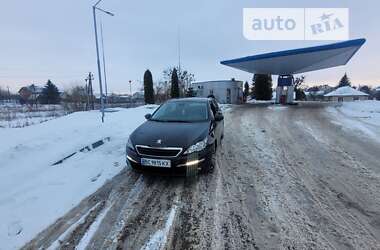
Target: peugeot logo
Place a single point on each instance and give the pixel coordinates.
(159, 141)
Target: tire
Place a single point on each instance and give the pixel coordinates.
(210, 168)
(213, 160)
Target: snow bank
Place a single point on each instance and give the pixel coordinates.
(362, 116)
(33, 194)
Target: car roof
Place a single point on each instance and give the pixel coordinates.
(190, 99)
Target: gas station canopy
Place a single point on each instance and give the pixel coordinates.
(297, 61)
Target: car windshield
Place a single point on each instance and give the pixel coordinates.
(178, 111)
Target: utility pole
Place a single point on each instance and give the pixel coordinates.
(98, 62)
(90, 93)
(179, 57)
(9, 94)
(87, 96)
(179, 50)
(130, 87)
(94, 8)
(104, 61)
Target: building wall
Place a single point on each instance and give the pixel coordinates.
(224, 91)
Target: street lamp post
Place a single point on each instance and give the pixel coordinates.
(94, 8)
(104, 62)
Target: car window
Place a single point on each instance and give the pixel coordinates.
(185, 111)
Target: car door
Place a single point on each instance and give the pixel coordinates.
(218, 124)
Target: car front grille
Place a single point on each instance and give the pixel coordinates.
(158, 151)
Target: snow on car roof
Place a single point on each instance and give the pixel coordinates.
(346, 91)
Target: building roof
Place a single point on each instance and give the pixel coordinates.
(34, 89)
(346, 91)
(298, 60)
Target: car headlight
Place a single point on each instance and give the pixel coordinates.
(199, 146)
(130, 145)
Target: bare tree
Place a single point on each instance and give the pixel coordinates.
(298, 88)
(185, 78)
(76, 98)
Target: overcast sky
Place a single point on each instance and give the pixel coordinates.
(51, 39)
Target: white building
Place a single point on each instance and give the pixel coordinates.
(346, 94)
(225, 91)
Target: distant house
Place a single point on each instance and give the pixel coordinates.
(346, 94)
(138, 96)
(317, 93)
(225, 91)
(30, 94)
(114, 98)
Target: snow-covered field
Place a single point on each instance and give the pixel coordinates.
(13, 115)
(361, 116)
(33, 193)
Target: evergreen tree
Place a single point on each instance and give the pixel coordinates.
(246, 91)
(174, 91)
(345, 81)
(263, 86)
(253, 88)
(148, 87)
(377, 95)
(50, 94)
(366, 89)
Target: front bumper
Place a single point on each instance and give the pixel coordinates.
(178, 164)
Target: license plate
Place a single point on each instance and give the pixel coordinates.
(155, 163)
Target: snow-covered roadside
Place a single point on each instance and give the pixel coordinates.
(33, 194)
(17, 116)
(361, 116)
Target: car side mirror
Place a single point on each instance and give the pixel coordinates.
(148, 116)
(218, 117)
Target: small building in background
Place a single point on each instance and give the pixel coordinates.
(346, 94)
(225, 91)
(138, 97)
(30, 94)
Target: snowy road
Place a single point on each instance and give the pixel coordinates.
(287, 178)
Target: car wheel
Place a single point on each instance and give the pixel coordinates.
(210, 168)
(213, 160)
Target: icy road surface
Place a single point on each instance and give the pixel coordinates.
(287, 178)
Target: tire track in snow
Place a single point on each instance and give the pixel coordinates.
(159, 238)
(83, 243)
(116, 232)
(57, 244)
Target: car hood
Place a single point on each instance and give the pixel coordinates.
(171, 134)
